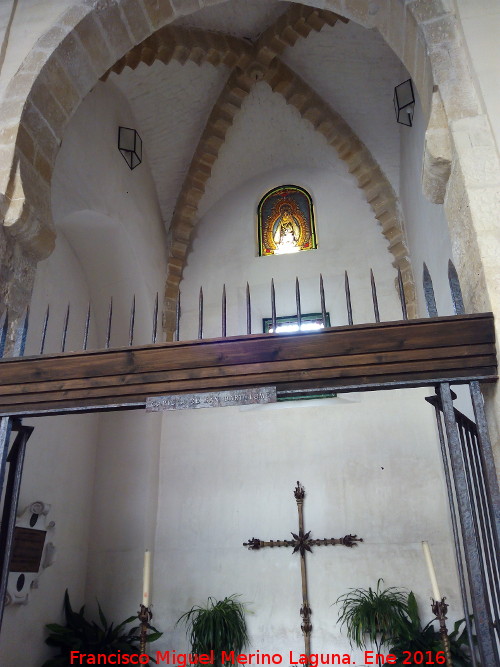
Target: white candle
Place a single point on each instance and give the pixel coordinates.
(432, 572)
(146, 578)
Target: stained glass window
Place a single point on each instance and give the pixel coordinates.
(286, 221)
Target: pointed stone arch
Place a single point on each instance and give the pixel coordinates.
(339, 135)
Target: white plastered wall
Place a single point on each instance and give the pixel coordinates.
(370, 466)
(99, 472)
(114, 590)
(285, 149)
(424, 220)
(58, 470)
(370, 462)
(427, 232)
(122, 245)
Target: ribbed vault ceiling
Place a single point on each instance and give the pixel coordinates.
(352, 68)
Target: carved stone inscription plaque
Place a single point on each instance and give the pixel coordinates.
(212, 399)
(27, 550)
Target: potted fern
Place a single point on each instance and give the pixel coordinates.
(379, 615)
(91, 638)
(417, 640)
(217, 626)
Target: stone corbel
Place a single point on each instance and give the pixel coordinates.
(436, 165)
(28, 223)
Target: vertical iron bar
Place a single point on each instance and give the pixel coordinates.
(86, 328)
(489, 519)
(223, 327)
(456, 291)
(456, 535)
(374, 297)
(322, 297)
(155, 320)
(348, 299)
(430, 300)
(485, 528)
(297, 301)
(273, 306)
(485, 449)
(65, 330)
(3, 333)
(473, 495)
(21, 334)
(487, 464)
(249, 311)
(16, 460)
(483, 625)
(132, 323)
(44, 330)
(5, 431)
(177, 317)
(402, 297)
(6, 424)
(110, 317)
(200, 314)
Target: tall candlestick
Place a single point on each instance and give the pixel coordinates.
(146, 579)
(432, 572)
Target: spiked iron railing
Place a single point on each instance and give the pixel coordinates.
(110, 326)
(471, 478)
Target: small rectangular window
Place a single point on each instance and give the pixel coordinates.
(289, 323)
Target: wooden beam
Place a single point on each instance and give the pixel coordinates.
(371, 356)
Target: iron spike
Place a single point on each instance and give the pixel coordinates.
(374, 297)
(430, 300)
(3, 334)
(22, 331)
(110, 317)
(456, 291)
(65, 330)
(249, 312)
(224, 311)
(322, 296)
(177, 316)
(132, 323)
(155, 320)
(297, 300)
(402, 297)
(86, 329)
(44, 330)
(200, 314)
(348, 299)
(273, 306)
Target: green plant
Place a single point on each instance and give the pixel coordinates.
(89, 637)
(218, 626)
(377, 615)
(416, 640)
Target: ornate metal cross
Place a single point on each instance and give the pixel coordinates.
(302, 543)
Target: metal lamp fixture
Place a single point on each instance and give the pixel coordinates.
(404, 102)
(130, 146)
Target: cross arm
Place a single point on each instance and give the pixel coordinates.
(254, 544)
(347, 541)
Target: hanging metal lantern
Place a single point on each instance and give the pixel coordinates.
(404, 102)
(130, 146)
